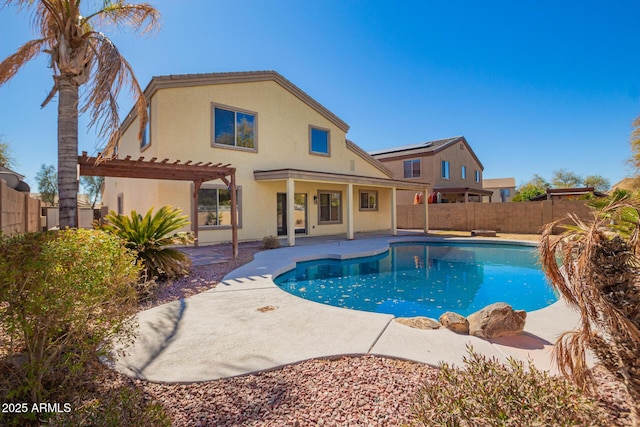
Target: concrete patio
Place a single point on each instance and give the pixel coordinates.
(247, 324)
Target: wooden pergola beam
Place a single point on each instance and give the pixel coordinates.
(177, 171)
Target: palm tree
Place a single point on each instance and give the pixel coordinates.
(79, 55)
(600, 277)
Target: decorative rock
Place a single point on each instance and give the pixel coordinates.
(455, 322)
(418, 322)
(496, 320)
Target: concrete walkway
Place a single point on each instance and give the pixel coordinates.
(247, 324)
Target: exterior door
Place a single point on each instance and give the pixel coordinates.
(299, 211)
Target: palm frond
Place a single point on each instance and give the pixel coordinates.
(600, 277)
(152, 236)
(10, 66)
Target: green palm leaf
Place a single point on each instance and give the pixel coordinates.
(152, 236)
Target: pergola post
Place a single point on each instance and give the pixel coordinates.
(394, 213)
(194, 213)
(291, 231)
(350, 209)
(426, 211)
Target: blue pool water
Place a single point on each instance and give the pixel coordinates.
(425, 279)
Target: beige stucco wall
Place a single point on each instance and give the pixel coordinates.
(181, 128)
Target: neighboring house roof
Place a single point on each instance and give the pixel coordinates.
(14, 180)
(205, 79)
(566, 192)
(498, 183)
(462, 190)
(425, 148)
(625, 184)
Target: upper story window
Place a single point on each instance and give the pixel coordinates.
(412, 168)
(463, 172)
(445, 169)
(319, 141)
(477, 176)
(146, 136)
(234, 128)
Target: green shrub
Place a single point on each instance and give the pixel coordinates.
(487, 392)
(270, 242)
(151, 237)
(63, 296)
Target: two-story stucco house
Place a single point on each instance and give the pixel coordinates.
(449, 165)
(296, 172)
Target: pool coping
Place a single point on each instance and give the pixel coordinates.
(248, 324)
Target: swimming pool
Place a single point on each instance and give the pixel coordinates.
(425, 279)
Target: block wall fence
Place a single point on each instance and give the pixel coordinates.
(511, 217)
(19, 213)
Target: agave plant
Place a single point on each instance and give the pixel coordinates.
(152, 237)
(599, 275)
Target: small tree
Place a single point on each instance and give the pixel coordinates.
(600, 277)
(598, 182)
(47, 179)
(532, 188)
(92, 185)
(6, 156)
(563, 178)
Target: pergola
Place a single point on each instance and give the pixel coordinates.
(197, 173)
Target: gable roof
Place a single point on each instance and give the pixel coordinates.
(206, 79)
(424, 147)
(428, 148)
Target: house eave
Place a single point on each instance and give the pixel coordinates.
(329, 177)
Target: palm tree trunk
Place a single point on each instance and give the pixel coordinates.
(67, 151)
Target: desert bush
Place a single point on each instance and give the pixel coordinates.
(120, 406)
(63, 296)
(151, 237)
(486, 392)
(270, 242)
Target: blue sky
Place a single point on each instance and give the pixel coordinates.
(534, 86)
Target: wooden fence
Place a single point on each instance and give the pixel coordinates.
(19, 213)
(513, 217)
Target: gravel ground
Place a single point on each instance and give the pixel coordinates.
(347, 391)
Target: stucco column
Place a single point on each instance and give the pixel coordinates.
(426, 212)
(394, 219)
(350, 211)
(291, 231)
